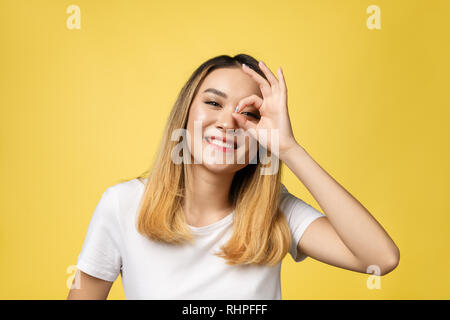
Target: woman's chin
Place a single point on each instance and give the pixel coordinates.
(223, 168)
(220, 162)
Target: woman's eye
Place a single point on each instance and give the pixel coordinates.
(212, 103)
(252, 115)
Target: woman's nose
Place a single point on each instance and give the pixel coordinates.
(225, 120)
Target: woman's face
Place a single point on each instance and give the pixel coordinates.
(212, 107)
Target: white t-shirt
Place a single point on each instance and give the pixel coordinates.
(154, 270)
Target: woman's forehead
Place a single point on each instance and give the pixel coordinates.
(233, 82)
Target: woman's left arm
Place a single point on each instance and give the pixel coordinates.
(348, 236)
(350, 221)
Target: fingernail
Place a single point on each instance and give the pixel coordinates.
(237, 108)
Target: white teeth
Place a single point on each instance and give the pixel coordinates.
(221, 143)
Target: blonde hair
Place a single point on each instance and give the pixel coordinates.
(261, 233)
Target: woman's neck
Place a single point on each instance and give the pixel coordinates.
(207, 196)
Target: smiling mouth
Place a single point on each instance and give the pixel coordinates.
(223, 146)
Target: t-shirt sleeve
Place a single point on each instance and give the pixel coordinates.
(100, 256)
(299, 215)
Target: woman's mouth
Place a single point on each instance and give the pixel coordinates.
(221, 145)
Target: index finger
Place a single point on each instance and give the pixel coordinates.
(269, 74)
(263, 83)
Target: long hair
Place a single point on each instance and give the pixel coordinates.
(261, 233)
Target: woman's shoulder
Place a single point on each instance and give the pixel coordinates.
(288, 201)
(142, 180)
(129, 185)
(127, 192)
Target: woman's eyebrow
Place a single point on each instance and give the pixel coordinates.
(218, 92)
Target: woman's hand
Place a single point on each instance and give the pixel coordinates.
(272, 108)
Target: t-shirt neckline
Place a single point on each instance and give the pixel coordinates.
(210, 227)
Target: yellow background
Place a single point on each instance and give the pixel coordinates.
(83, 109)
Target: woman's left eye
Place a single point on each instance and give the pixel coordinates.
(213, 103)
(252, 115)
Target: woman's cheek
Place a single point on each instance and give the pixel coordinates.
(197, 122)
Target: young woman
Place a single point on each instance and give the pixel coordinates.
(207, 228)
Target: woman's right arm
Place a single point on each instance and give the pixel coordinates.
(91, 288)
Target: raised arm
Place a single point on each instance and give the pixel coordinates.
(349, 237)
